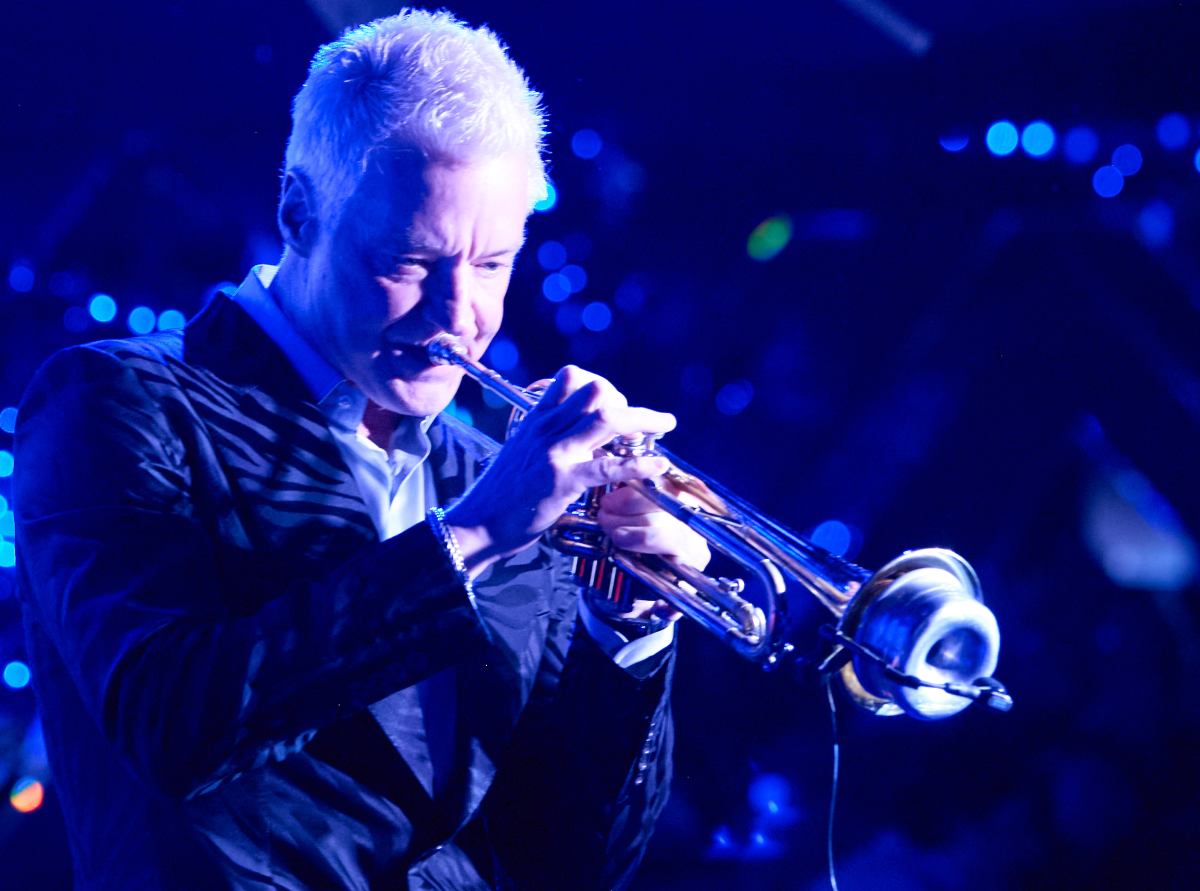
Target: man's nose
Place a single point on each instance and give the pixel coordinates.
(453, 307)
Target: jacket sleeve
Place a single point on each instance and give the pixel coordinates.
(115, 567)
(575, 800)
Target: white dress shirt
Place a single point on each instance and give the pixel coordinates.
(396, 484)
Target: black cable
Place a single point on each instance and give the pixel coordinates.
(834, 785)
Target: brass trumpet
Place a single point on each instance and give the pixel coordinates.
(912, 637)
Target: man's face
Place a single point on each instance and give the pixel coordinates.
(420, 248)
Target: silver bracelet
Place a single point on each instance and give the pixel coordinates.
(436, 518)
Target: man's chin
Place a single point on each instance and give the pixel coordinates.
(418, 400)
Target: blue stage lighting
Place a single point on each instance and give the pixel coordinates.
(76, 319)
(1196, 160)
(141, 320)
(769, 793)
(20, 277)
(733, 398)
(1081, 144)
(16, 675)
(954, 141)
(503, 354)
(1156, 223)
(556, 287)
(1127, 159)
(8, 555)
(834, 536)
(1002, 138)
(630, 296)
(3, 505)
(551, 199)
(8, 421)
(8, 525)
(6, 463)
(576, 276)
(569, 318)
(551, 255)
(1108, 182)
(597, 316)
(1038, 139)
(102, 308)
(586, 144)
(169, 319)
(1173, 131)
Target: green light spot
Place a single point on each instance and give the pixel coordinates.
(769, 238)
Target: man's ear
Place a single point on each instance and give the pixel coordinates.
(298, 213)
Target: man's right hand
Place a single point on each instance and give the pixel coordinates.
(554, 456)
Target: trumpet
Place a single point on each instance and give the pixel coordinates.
(912, 637)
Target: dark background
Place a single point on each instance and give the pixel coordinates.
(952, 348)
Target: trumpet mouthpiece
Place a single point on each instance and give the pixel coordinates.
(445, 349)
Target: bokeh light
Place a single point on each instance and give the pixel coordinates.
(27, 795)
(556, 287)
(954, 141)
(1080, 145)
(1156, 224)
(7, 524)
(1002, 138)
(141, 320)
(630, 296)
(834, 536)
(551, 255)
(8, 419)
(1173, 131)
(734, 398)
(596, 316)
(1108, 182)
(16, 675)
(8, 555)
(170, 319)
(551, 199)
(76, 319)
(576, 277)
(1196, 160)
(586, 144)
(102, 308)
(1127, 159)
(1037, 139)
(569, 318)
(21, 277)
(769, 793)
(769, 238)
(6, 462)
(503, 354)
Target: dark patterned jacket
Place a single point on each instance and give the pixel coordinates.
(210, 612)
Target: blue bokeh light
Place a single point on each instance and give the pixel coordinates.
(8, 555)
(1108, 182)
(503, 354)
(3, 505)
(630, 296)
(1173, 131)
(551, 255)
(1002, 138)
(954, 141)
(596, 316)
(586, 144)
(1156, 224)
(6, 463)
(769, 793)
(834, 536)
(569, 318)
(170, 319)
(21, 277)
(141, 320)
(1081, 144)
(8, 420)
(1037, 139)
(16, 675)
(1127, 159)
(576, 277)
(1196, 160)
(556, 287)
(76, 319)
(551, 199)
(8, 525)
(102, 308)
(734, 398)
